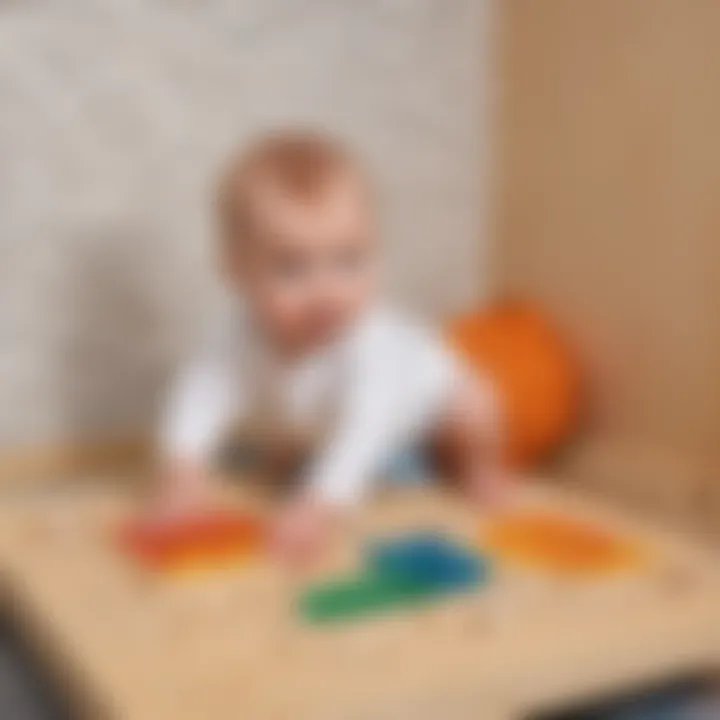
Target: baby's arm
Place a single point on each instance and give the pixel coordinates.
(471, 435)
(385, 403)
(366, 433)
(344, 470)
(203, 398)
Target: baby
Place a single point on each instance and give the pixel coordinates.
(307, 354)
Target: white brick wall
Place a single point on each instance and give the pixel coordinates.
(113, 117)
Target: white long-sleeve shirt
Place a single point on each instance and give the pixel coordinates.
(382, 385)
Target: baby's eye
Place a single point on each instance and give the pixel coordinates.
(291, 267)
(349, 259)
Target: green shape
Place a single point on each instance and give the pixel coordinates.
(403, 571)
(362, 595)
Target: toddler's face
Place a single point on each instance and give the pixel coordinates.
(308, 268)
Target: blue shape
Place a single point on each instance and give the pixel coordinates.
(429, 559)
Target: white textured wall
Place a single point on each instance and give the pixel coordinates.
(114, 115)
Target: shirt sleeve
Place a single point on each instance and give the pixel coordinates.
(363, 437)
(395, 391)
(204, 397)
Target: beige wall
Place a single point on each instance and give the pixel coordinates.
(114, 117)
(609, 214)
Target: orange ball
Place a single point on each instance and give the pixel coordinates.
(534, 371)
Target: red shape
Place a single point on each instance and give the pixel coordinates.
(198, 540)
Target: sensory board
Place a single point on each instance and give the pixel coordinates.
(133, 643)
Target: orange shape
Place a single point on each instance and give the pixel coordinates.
(560, 544)
(204, 542)
(535, 372)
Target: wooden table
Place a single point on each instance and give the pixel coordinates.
(135, 647)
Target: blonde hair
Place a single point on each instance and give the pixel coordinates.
(299, 164)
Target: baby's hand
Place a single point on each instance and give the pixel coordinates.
(493, 488)
(302, 529)
(184, 490)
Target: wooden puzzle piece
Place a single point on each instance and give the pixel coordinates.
(199, 543)
(397, 572)
(560, 544)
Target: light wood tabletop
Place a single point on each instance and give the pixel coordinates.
(134, 646)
